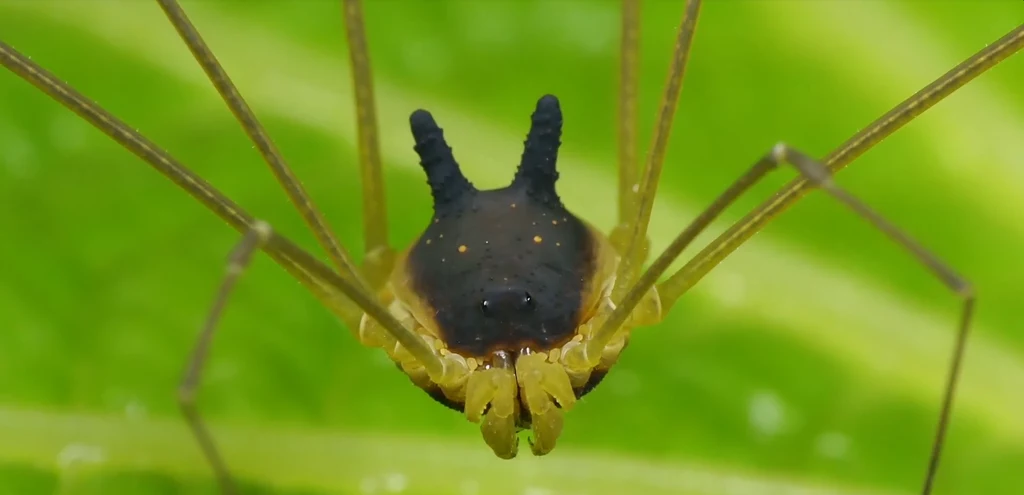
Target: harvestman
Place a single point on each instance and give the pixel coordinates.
(508, 307)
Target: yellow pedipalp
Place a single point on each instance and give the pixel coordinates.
(495, 387)
(548, 393)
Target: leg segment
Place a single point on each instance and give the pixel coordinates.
(347, 270)
(907, 110)
(315, 276)
(642, 304)
(379, 255)
(348, 298)
(629, 61)
(219, 77)
(239, 259)
(587, 355)
(637, 244)
(442, 371)
(820, 176)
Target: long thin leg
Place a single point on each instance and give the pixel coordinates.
(259, 137)
(988, 57)
(345, 298)
(636, 252)
(238, 261)
(628, 79)
(820, 176)
(379, 255)
(591, 351)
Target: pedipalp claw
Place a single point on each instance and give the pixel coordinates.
(491, 400)
(548, 393)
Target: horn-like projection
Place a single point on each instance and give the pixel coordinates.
(537, 172)
(447, 184)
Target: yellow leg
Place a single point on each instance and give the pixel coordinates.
(379, 255)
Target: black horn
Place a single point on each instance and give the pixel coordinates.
(537, 172)
(447, 184)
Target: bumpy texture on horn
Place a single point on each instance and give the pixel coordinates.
(448, 185)
(537, 172)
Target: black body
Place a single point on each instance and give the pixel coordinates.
(504, 269)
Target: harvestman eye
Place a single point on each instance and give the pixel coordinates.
(520, 301)
(520, 356)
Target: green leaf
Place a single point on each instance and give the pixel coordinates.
(812, 359)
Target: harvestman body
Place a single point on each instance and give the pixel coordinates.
(509, 307)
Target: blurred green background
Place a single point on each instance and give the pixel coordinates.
(809, 362)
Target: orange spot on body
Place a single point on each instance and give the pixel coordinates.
(537, 239)
(463, 248)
